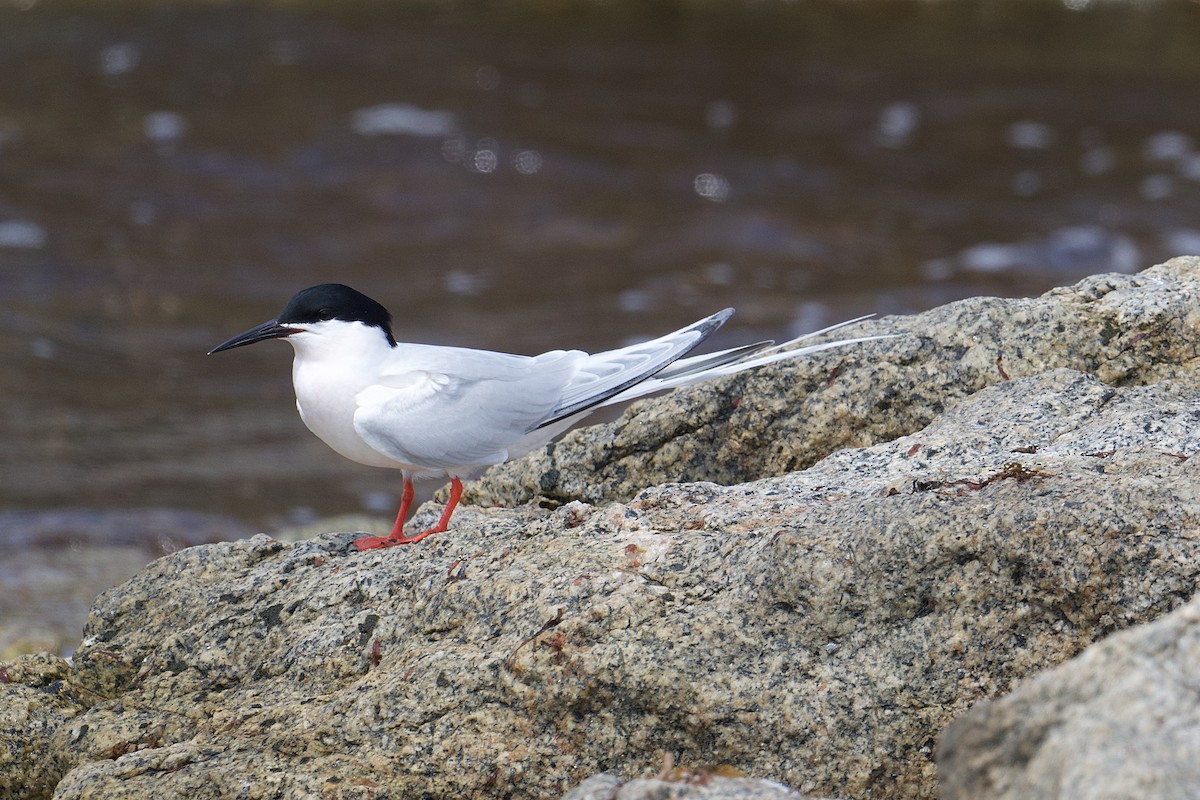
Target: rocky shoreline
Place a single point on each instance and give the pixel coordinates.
(836, 559)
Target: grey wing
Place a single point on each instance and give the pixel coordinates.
(605, 375)
(458, 408)
(687, 371)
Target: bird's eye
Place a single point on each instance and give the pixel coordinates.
(325, 314)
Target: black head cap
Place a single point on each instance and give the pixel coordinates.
(335, 301)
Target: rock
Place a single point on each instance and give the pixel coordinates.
(1124, 329)
(1121, 720)
(34, 704)
(699, 786)
(817, 629)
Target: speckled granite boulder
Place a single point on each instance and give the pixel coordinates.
(816, 629)
(1125, 329)
(34, 703)
(1122, 720)
(698, 786)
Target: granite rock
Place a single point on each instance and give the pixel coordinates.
(1122, 720)
(34, 703)
(697, 786)
(817, 629)
(1124, 329)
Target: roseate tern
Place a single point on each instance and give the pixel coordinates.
(449, 411)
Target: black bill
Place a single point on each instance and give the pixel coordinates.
(268, 330)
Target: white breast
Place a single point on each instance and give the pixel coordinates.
(328, 372)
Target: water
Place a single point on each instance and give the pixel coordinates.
(519, 180)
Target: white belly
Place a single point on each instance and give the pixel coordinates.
(325, 400)
(332, 430)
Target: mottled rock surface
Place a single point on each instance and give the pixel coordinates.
(1122, 720)
(1124, 329)
(816, 629)
(701, 786)
(34, 704)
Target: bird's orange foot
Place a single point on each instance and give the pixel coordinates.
(379, 542)
(398, 537)
(373, 542)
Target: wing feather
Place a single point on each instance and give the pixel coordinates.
(460, 408)
(687, 371)
(607, 374)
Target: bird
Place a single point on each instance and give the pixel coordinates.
(451, 412)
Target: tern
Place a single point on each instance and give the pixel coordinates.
(432, 411)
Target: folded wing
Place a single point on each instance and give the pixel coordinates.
(451, 407)
(603, 376)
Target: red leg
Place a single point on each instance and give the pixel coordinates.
(373, 542)
(398, 537)
(443, 523)
(406, 498)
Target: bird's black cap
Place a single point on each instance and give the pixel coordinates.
(317, 304)
(328, 301)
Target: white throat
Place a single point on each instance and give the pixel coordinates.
(334, 361)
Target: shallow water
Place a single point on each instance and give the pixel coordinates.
(519, 180)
